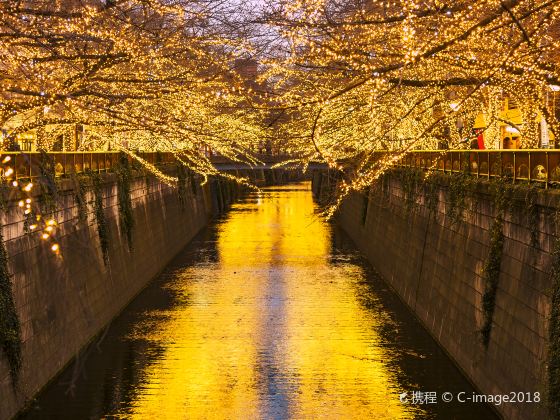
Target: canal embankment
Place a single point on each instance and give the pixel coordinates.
(114, 233)
(474, 261)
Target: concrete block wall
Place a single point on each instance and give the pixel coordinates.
(64, 301)
(436, 267)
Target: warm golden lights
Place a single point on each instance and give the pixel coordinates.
(271, 327)
(320, 80)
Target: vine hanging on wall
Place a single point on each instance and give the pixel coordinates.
(126, 216)
(102, 228)
(410, 179)
(532, 212)
(10, 333)
(49, 189)
(80, 189)
(431, 194)
(491, 271)
(457, 192)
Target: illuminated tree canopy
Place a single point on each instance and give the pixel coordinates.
(403, 75)
(338, 79)
(151, 75)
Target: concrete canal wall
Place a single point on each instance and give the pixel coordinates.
(62, 302)
(436, 264)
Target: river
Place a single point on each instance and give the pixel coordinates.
(270, 313)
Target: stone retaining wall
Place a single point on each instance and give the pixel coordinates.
(64, 301)
(436, 266)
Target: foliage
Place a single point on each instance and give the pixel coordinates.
(102, 228)
(457, 191)
(491, 271)
(10, 335)
(80, 190)
(47, 180)
(532, 212)
(369, 77)
(69, 66)
(410, 179)
(491, 276)
(126, 215)
(431, 193)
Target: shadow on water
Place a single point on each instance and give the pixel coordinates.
(268, 313)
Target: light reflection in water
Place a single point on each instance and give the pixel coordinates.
(269, 314)
(272, 329)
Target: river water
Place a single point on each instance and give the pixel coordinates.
(270, 313)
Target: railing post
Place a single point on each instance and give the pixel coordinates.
(501, 163)
(477, 165)
(547, 171)
(529, 174)
(514, 167)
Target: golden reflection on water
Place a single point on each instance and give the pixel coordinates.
(269, 327)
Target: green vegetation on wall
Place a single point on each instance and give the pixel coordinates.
(410, 179)
(10, 335)
(459, 186)
(491, 272)
(532, 212)
(457, 191)
(101, 221)
(47, 180)
(431, 194)
(126, 216)
(80, 190)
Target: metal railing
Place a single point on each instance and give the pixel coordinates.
(519, 165)
(522, 164)
(27, 165)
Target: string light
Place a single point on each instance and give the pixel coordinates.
(411, 75)
(345, 80)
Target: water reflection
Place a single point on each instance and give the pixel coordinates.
(268, 315)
